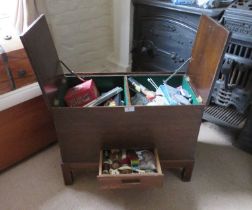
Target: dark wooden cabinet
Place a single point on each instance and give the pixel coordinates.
(172, 130)
(164, 33)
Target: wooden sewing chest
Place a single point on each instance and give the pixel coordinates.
(171, 130)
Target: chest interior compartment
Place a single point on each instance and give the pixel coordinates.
(128, 93)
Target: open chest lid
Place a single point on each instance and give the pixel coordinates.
(207, 55)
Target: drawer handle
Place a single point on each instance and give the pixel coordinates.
(131, 181)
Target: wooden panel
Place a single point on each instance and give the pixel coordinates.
(39, 45)
(18, 61)
(207, 56)
(173, 130)
(25, 129)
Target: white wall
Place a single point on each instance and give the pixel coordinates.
(121, 57)
(90, 35)
(83, 32)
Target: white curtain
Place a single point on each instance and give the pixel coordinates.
(25, 12)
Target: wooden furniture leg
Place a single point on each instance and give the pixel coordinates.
(67, 174)
(186, 166)
(187, 171)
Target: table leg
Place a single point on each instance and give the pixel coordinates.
(67, 174)
(187, 172)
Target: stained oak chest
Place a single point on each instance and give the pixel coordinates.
(171, 132)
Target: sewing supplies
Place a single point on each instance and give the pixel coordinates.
(81, 94)
(104, 97)
(181, 99)
(139, 100)
(128, 162)
(184, 92)
(147, 160)
(115, 101)
(150, 80)
(141, 89)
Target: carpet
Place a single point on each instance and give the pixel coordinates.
(222, 180)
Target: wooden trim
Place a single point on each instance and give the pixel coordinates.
(159, 169)
(100, 163)
(169, 164)
(82, 166)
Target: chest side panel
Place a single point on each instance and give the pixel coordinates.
(40, 48)
(207, 55)
(172, 130)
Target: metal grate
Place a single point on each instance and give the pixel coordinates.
(227, 117)
(242, 5)
(234, 89)
(240, 50)
(240, 76)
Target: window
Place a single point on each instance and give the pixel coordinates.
(5, 15)
(4, 8)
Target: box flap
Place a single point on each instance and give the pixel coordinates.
(207, 56)
(40, 48)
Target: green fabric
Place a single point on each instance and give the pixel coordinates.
(176, 81)
(186, 85)
(159, 80)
